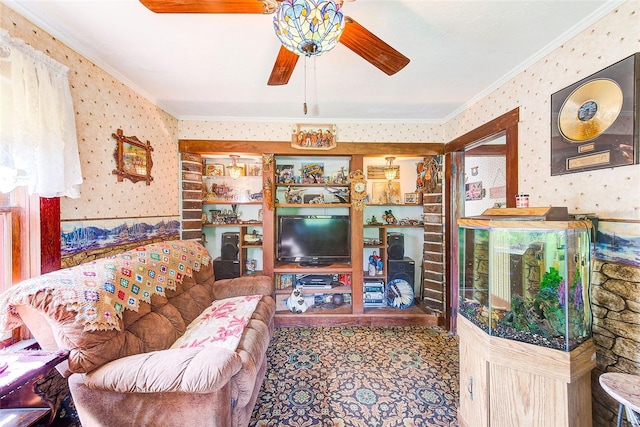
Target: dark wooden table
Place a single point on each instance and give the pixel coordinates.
(20, 403)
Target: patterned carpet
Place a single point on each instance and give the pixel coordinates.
(369, 377)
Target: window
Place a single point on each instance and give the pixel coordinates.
(19, 244)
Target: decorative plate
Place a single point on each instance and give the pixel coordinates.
(399, 293)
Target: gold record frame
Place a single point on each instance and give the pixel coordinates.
(595, 123)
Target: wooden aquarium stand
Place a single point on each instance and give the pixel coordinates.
(510, 383)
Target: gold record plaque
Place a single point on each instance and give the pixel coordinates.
(590, 110)
(594, 123)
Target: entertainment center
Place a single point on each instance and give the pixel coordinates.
(340, 239)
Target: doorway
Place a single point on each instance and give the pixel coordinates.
(484, 141)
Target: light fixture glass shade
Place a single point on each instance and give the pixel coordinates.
(308, 27)
(389, 169)
(234, 170)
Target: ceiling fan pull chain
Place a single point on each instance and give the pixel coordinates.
(304, 106)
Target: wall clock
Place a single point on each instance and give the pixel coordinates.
(358, 189)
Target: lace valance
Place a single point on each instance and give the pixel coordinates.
(37, 123)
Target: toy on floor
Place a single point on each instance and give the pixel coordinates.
(296, 302)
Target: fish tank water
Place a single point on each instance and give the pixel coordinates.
(524, 275)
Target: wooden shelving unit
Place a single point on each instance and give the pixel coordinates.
(354, 312)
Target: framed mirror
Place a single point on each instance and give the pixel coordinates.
(133, 158)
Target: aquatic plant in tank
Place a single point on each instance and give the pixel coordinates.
(554, 311)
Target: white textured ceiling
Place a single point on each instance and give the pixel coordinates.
(203, 66)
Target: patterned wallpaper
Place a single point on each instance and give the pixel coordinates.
(352, 132)
(104, 104)
(609, 193)
(489, 171)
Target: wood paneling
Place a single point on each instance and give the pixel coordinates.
(50, 244)
(203, 146)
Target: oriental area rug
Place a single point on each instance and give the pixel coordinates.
(360, 377)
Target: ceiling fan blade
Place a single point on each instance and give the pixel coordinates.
(210, 6)
(283, 68)
(371, 48)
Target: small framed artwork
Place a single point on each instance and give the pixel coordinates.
(285, 174)
(243, 169)
(286, 281)
(617, 241)
(314, 137)
(133, 158)
(385, 193)
(214, 169)
(254, 169)
(473, 191)
(411, 198)
(312, 173)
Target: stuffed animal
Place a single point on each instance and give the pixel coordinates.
(296, 302)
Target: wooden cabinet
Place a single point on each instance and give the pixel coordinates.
(506, 383)
(315, 191)
(232, 209)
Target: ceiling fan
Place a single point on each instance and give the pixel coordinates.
(354, 36)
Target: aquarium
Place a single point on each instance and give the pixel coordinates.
(524, 277)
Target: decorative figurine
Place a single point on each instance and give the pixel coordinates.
(376, 262)
(267, 162)
(250, 264)
(373, 221)
(296, 302)
(293, 196)
(342, 194)
(268, 193)
(389, 217)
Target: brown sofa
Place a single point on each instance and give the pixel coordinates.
(129, 376)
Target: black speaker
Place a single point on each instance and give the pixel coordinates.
(395, 246)
(226, 268)
(229, 246)
(404, 269)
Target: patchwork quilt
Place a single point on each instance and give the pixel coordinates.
(100, 290)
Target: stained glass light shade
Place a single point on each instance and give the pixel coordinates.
(308, 27)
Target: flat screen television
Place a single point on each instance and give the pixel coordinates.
(315, 240)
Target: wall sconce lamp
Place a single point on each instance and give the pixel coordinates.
(234, 170)
(390, 169)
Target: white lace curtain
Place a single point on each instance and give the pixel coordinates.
(38, 144)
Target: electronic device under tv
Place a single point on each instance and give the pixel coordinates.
(314, 240)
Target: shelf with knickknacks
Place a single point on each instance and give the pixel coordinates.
(327, 190)
(318, 183)
(232, 204)
(393, 211)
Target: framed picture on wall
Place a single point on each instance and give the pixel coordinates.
(411, 198)
(385, 193)
(133, 158)
(473, 191)
(214, 169)
(595, 123)
(254, 169)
